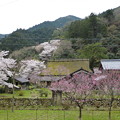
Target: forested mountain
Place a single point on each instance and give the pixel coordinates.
(96, 37)
(58, 23)
(35, 35)
(2, 36)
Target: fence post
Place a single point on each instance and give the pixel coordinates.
(92, 115)
(7, 114)
(64, 114)
(36, 114)
(47, 114)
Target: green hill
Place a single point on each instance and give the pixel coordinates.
(58, 23)
(37, 34)
(2, 36)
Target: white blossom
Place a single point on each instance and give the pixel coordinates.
(6, 64)
(49, 47)
(29, 67)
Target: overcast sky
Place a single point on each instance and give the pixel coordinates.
(17, 14)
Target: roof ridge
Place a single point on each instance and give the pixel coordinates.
(110, 60)
(68, 60)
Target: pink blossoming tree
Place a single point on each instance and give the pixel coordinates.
(76, 89)
(108, 85)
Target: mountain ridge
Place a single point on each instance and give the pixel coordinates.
(34, 35)
(60, 22)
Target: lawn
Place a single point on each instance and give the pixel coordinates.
(56, 115)
(34, 93)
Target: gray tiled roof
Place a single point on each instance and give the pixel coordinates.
(22, 80)
(111, 64)
(50, 78)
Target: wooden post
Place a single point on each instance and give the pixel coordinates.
(57, 97)
(13, 100)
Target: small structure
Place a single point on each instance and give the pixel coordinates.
(110, 64)
(24, 83)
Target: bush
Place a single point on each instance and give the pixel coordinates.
(21, 93)
(43, 93)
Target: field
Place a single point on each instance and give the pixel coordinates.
(56, 115)
(34, 93)
(51, 112)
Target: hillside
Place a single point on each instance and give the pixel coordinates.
(102, 30)
(117, 13)
(35, 35)
(58, 23)
(2, 36)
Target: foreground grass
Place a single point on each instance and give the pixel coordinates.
(56, 115)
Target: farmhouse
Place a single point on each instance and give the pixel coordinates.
(58, 69)
(107, 65)
(110, 64)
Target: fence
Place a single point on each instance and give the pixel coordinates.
(47, 114)
(29, 102)
(42, 109)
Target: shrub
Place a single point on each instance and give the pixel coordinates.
(43, 93)
(21, 93)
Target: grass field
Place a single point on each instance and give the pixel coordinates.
(26, 94)
(56, 115)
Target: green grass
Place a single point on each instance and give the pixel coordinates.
(56, 115)
(26, 94)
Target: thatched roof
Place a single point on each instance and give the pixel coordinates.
(51, 78)
(65, 67)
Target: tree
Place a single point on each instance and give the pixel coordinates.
(30, 67)
(109, 15)
(6, 66)
(88, 28)
(95, 52)
(93, 24)
(64, 50)
(79, 29)
(76, 89)
(112, 44)
(109, 85)
(25, 53)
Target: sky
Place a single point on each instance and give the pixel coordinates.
(24, 14)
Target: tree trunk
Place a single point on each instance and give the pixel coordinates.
(110, 108)
(13, 95)
(109, 114)
(80, 113)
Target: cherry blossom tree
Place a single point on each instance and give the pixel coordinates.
(48, 48)
(6, 66)
(108, 85)
(76, 88)
(30, 68)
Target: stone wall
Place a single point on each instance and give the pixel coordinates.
(102, 103)
(20, 103)
(29, 103)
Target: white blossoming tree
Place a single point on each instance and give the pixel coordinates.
(30, 67)
(6, 66)
(49, 48)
